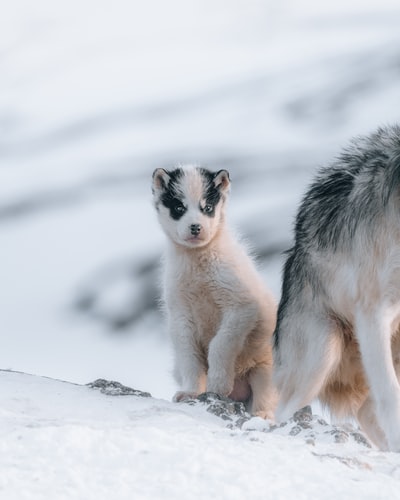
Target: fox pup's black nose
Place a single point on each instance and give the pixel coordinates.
(195, 229)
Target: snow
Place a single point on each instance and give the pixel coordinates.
(66, 441)
(93, 97)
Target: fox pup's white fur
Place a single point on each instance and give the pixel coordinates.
(220, 316)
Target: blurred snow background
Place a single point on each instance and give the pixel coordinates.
(94, 95)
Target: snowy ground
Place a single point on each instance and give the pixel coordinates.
(64, 441)
(93, 97)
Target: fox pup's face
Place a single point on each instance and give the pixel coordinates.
(190, 203)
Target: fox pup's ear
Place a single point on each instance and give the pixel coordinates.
(222, 181)
(160, 179)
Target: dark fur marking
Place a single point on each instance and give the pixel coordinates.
(328, 213)
(212, 194)
(170, 196)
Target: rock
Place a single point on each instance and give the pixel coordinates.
(295, 430)
(304, 417)
(340, 436)
(225, 408)
(111, 388)
(360, 439)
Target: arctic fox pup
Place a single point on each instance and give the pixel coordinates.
(220, 316)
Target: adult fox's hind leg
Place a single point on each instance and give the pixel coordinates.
(309, 350)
